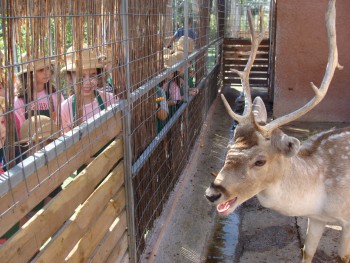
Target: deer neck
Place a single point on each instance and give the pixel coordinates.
(298, 191)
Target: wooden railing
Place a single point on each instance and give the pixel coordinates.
(86, 220)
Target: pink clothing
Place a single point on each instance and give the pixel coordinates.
(18, 125)
(90, 109)
(43, 103)
(174, 91)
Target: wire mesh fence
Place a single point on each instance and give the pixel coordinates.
(70, 68)
(237, 25)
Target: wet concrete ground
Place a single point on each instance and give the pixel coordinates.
(191, 231)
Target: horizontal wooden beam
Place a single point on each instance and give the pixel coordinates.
(83, 219)
(233, 41)
(22, 198)
(116, 235)
(252, 82)
(246, 48)
(235, 55)
(96, 232)
(21, 247)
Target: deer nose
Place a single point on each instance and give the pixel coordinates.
(213, 197)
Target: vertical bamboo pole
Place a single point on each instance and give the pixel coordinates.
(7, 78)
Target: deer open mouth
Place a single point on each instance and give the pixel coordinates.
(224, 207)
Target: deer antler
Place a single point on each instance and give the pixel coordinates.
(321, 92)
(256, 40)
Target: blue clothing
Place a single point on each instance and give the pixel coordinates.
(181, 32)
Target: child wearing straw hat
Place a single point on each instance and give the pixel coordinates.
(180, 47)
(175, 85)
(171, 85)
(35, 94)
(93, 97)
(181, 32)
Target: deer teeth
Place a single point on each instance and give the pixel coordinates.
(225, 206)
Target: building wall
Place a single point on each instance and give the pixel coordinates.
(301, 57)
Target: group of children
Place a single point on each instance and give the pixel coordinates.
(38, 100)
(172, 89)
(37, 103)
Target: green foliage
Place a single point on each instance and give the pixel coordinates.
(213, 31)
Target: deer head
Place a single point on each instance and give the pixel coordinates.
(259, 153)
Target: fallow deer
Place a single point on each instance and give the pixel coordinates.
(311, 180)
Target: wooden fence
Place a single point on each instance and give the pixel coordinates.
(86, 220)
(236, 54)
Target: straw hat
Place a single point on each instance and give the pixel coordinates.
(180, 44)
(171, 58)
(31, 64)
(45, 129)
(89, 60)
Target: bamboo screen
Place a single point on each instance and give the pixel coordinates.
(72, 71)
(166, 157)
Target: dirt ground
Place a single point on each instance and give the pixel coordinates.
(185, 229)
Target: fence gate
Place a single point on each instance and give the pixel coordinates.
(237, 44)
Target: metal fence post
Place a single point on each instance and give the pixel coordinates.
(127, 142)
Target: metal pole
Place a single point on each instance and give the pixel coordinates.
(127, 142)
(186, 49)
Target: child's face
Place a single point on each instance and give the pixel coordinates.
(89, 81)
(2, 127)
(43, 75)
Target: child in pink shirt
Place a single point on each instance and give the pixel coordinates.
(94, 97)
(39, 95)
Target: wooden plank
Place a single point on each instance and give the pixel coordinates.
(119, 253)
(125, 259)
(115, 233)
(243, 62)
(47, 221)
(232, 55)
(232, 41)
(244, 48)
(252, 75)
(258, 68)
(61, 168)
(90, 240)
(251, 81)
(83, 219)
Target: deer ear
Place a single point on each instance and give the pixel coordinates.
(259, 111)
(288, 145)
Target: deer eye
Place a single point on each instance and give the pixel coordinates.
(259, 162)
